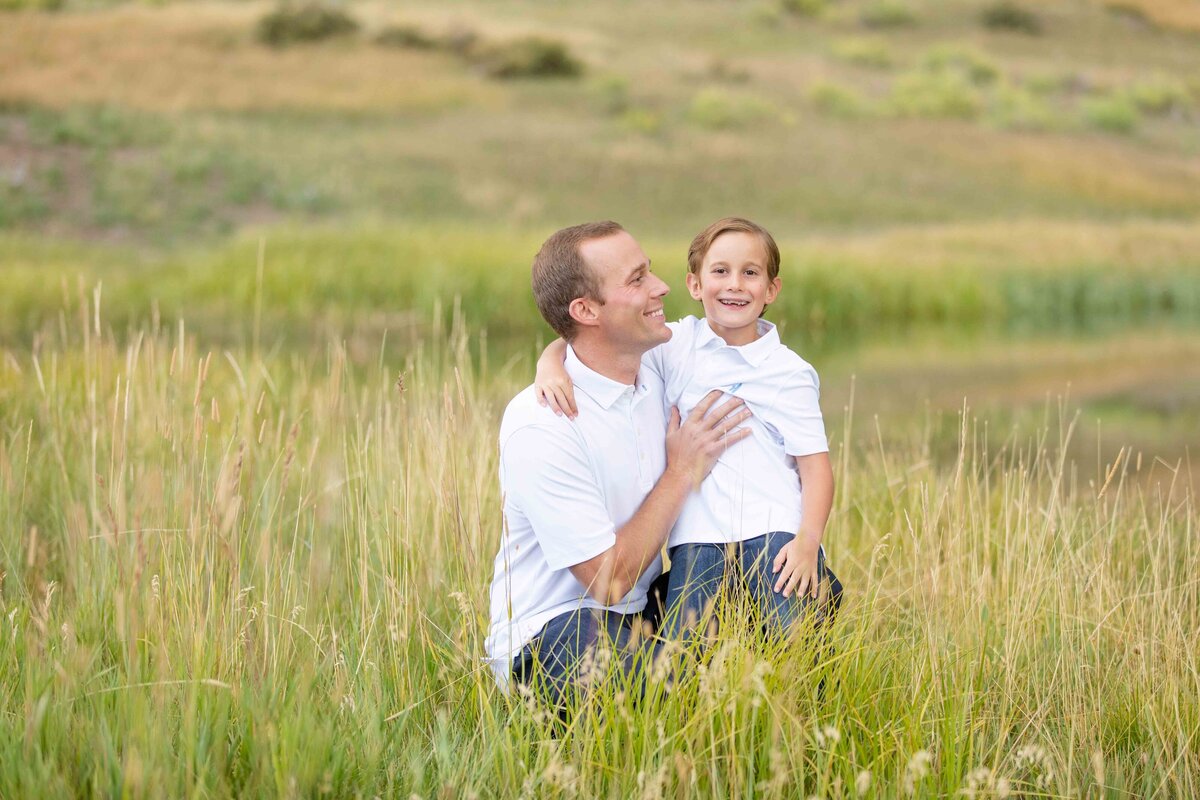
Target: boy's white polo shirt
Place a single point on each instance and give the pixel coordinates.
(567, 487)
(754, 487)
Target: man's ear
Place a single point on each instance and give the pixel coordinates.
(773, 290)
(693, 284)
(583, 311)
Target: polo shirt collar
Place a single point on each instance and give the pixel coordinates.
(604, 391)
(754, 353)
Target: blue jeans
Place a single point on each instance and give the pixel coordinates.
(700, 571)
(577, 647)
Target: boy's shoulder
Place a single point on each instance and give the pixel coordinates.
(788, 360)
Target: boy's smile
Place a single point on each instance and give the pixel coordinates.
(733, 286)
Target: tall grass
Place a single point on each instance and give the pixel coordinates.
(358, 284)
(244, 572)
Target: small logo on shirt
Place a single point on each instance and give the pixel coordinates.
(733, 387)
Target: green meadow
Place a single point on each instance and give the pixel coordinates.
(263, 301)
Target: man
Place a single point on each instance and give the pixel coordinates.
(589, 503)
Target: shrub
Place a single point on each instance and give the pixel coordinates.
(716, 109)
(528, 57)
(32, 5)
(864, 53)
(1112, 113)
(1159, 95)
(837, 100)
(642, 120)
(307, 21)
(406, 36)
(803, 8)
(887, 14)
(971, 63)
(459, 39)
(1009, 16)
(1017, 108)
(947, 95)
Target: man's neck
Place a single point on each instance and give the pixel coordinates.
(601, 357)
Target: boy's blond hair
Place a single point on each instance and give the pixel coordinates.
(704, 240)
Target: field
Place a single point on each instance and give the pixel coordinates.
(262, 308)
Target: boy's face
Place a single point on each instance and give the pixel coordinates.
(733, 286)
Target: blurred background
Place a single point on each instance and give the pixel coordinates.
(986, 208)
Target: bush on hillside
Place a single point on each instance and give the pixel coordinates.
(887, 14)
(718, 109)
(406, 36)
(32, 5)
(837, 100)
(1009, 16)
(935, 95)
(528, 57)
(1112, 113)
(803, 8)
(307, 21)
(1017, 108)
(1160, 95)
(971, 63)
(871, 53)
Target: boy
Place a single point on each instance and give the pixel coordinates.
(746, 522)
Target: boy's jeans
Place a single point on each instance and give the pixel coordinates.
(698, 572)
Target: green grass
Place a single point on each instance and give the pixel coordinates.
(241, 574)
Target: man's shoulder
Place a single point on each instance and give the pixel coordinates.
(525, 414)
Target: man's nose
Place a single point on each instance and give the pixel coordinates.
(661, 288)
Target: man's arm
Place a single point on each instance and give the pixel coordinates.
(692, 449)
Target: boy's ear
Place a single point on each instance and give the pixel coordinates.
(583, 311)
(773, 290)
(693, 284)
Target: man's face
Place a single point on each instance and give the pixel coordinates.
(631, 316)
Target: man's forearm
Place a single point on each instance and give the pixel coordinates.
(641, 539)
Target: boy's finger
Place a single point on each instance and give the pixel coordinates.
(782, 580)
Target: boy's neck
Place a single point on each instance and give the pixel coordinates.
(735, 337)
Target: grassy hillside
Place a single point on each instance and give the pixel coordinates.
(149, 124)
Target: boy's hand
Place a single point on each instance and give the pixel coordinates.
(796, 566)
(554, 389)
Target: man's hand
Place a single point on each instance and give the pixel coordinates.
(694, 446)
(796, 566)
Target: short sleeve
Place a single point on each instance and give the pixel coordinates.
(796, 414)
(669, 359)
(548, 477)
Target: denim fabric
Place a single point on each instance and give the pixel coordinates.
(700, 572)
(577, 647)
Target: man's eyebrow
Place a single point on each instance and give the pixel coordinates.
(638, 270)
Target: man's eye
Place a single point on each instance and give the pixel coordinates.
(639, 279)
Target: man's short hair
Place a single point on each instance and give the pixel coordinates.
(704, 240)
(560, 274)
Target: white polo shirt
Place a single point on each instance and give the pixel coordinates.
(567, 488)
(753, 488)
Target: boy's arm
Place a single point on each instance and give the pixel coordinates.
(552, 385)
(796, 564)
